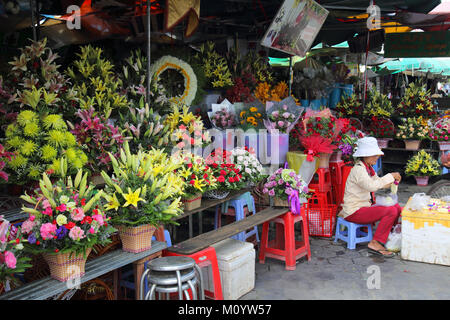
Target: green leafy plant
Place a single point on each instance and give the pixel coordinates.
(378, 105)
(95, 82)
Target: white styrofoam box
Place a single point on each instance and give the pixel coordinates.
(426, 238)
(236, 261)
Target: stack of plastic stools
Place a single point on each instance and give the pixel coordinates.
(321, 184)
(285, 247)
(239, 207)
(205, 258)
(351, 233)
(336, 180)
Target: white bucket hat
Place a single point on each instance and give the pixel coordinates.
(367, 147)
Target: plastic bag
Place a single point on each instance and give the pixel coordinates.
(418, 202)
(386, 200)
(394, 242)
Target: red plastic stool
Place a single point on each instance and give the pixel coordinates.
(285, 247)
(204, 258)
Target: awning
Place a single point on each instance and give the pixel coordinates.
(433, 65)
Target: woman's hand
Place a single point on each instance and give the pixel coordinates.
(396, 176)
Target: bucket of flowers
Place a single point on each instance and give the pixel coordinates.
(198, 177)
(349, 106)
(284, 185)
(248, 164)
(440, 132)
(381, 128)
(65, 221)
(12, 255)
(225, 171)
(143, 193)
(422, 166)
(412, 131)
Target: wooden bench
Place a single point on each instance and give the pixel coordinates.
(48, 287)
(205, 240)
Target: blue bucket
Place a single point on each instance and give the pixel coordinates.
(347, 90)
(304, 102)
(315, 104)
(335, 96)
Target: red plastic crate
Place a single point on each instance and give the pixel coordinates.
(321, 218)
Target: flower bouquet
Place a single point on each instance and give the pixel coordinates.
(251, 116)
(98, 137)
(12, 257)
(248, 164)
(198, 177)
(349, 106)
(223, 115)
(378, 105)
(39, 141)
(143, 192)
(422, 166)
(416, 101)
(349, 143)
(225, 171)
(284, 185)
(65, 222)
(381, 128)
(264, 92)
(412, 130)
(186, 131)
(282, 116)
(440, 132)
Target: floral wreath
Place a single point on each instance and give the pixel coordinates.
(190, 79)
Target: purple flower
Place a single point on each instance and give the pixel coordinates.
(61, 232)
(292, 174)
(31, 239)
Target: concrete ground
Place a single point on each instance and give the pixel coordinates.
(335, 272)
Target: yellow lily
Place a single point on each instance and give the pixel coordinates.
(113, 202)
(132, 197)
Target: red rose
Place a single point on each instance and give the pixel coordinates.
(231, 179)
(215, 165)
(205, 176)
(221, 179)
(69, 225)
(236, 170)
(223, 172)
(192, 182)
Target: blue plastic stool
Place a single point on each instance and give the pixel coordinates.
(238, 204)
(378, 167)
(352, 233)
(129, 283)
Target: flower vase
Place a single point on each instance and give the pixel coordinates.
(66, 266)
(192, 202)
(324, 160)
(383, 142)
(412, 144)
(277, 202)
(136, 239)
(422, 181)
(336, 156)
(444, 145)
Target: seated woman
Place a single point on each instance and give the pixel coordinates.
(357, 203)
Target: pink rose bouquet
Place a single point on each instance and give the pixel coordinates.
(223, 119)
(440, 131)
(65, 216)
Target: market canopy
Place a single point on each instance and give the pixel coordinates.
(432, 65)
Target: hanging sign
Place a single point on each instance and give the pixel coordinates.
(295, 27)
(417, 44)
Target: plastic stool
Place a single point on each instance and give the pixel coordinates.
(170, 275)
(285, 247)
(336, 169)
(323, 181)
(240, 207)
(204, 258)
(352, 235)
(167, 238)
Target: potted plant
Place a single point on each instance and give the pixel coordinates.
(381, 128)
(248, 164)
(416, 102)
(65, 221)
(283, 184)
(198, 177)
(225, 171)
(39, 141)
(12, 255)
(349, 106)
(440, 132)
(98, 137)
(422, 166)
(142, 193)
(378, 105)
(412, 131)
